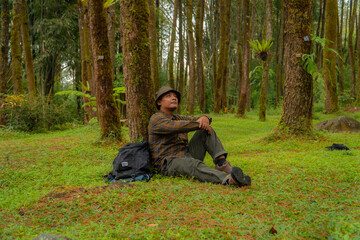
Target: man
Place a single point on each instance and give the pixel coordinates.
(173, 155)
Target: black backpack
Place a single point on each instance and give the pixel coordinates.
(132, 163)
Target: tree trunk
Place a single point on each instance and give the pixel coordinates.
(30, 76)
(266, 63)
(137, 74)
(215, 50)
(181, 54)
(108, 113)
(191, 44)
(171, 47)
(111, 16)
(199, 59)
(351, 49)
(153, 46)
(280, 56)
(245, 82)
(251, 30)
(340, 58)
(329, 57)
(298, 86)
(16, 49)
(239, 46)
(223, 69)
(85, 67)
(4, 46)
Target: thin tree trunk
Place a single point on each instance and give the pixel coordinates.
(171, 47)
(108, 113)
(4, 46)
(298, 87)
(340, 58)
(280, 56)
(239, 46)
(181, 54)
(351, 49)
(214, 49)
(191, 44)
(252, 26)
(111, 15)
(154, 65)
(30, 76)
(245, 82)
(137, 73)
(16, 49)
(329, 57)
(199, 59)
(266, 63)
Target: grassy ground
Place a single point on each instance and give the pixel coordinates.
(52, 183)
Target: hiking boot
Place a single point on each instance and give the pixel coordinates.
(237, 177)
(225, 167)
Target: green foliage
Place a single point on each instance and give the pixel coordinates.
(345, 98)
(35, 116)
(262, 48)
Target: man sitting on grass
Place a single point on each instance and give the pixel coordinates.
(173, 155)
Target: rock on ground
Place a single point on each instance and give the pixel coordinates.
(46, 236)
(339, 124)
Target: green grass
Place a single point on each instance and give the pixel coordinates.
(52, 183)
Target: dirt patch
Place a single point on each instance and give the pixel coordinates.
(68, 192)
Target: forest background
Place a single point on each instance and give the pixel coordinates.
(71, 61)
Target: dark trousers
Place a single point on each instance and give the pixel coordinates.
(192, 165)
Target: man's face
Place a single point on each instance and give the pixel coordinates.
(168, 101)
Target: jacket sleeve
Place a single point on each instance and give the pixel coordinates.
(161, 125)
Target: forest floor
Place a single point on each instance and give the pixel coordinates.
(53, 183)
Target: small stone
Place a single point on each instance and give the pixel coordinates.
(46, 236)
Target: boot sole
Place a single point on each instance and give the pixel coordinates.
(238, 175)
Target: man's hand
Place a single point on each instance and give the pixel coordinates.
(204, 124)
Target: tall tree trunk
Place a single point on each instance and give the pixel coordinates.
(108, 113)
(298, 86)
(351, 49)
(199, 59)
(191, 44)
(280, 57)
(214, 49)
(139, 88)
(245, 82)
(30, 76)
(85, 67)
(329, 57)
(111, 16)
(171, 47)
(223, 69)
(4, 46)
(266, 63)
(239, 46)
(153, 46)
(181, 54)
(251, 29)
(340, 58)
(16, 49)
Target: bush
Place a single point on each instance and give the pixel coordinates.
(37, 115)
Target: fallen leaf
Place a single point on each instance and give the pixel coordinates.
(273, 230)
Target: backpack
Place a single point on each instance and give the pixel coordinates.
(131, 164)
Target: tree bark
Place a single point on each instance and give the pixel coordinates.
(4, 46)
(16, 49)
(191, 44)
(181, 54)
(245, 82)
(140, 103)
(215, 50)
(153, 46)
(111, 16)
(199, 59)
(29, 65)
(107, 112)
(340, 58)
(239, 46)
(329, 57)
(266, 63)
(280, 57)
(171, 47)
(351, 49)
(298, 86)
